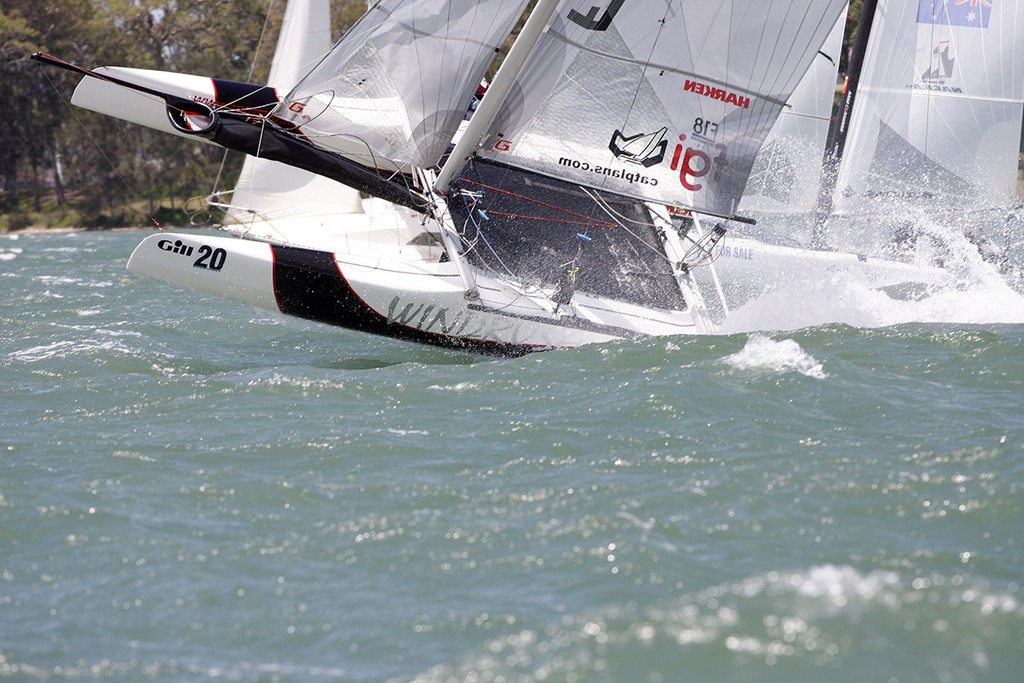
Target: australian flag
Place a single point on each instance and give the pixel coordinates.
(972, 13)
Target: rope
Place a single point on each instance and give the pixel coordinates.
(551, 220)
(602, 204)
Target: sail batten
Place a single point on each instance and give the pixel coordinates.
(667, 68)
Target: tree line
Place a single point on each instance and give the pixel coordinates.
(65, 166)
(61, 165)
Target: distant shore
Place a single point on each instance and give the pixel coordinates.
(36, 230)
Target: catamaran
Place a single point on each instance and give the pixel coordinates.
(935, 117)
(548, 219)
(928, 135)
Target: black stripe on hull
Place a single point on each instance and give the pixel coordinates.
(309, 285)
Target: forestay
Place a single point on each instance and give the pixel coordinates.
(394, 90)
(666, 101)
(938, 110)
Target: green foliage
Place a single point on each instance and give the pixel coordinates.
(17, 220)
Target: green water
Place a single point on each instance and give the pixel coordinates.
(192, 490)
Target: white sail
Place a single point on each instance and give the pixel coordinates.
(272, 190)
(304, 39)
(937, 115)
(394, 90)
(787, 172)
(661, 100)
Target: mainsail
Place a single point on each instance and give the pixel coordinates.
(394, 91)
(938, 109)
(667, 102)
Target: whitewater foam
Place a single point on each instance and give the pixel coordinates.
(764, 354)
(956, 284)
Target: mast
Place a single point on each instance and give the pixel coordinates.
(496, 94)
(834, 150)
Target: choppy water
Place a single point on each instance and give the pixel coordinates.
(193, 490)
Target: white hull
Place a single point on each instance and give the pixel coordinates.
(763, 267)
(364, 272)
(412, 299)
(749, 276)
(139, 107)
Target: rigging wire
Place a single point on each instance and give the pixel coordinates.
(99, 149)
(477, 197)
(700, 253)
(522, 288)
(643, 73)
(479, 232)
(569, 265)
(589, 221)
(603, 205)
(252, 69)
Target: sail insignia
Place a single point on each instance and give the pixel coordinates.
(644, 149)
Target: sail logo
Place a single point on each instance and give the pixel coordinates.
(590, 20)
(969, 13)
(175, 247)
(940, 70)
(689, 158)
(714, 93)
(418, 316)
(646, 149)
(607, 171)
(209, 258)
(693, 164)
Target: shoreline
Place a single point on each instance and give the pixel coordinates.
(38, 230)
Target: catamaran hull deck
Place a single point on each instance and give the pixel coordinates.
(422, 302)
